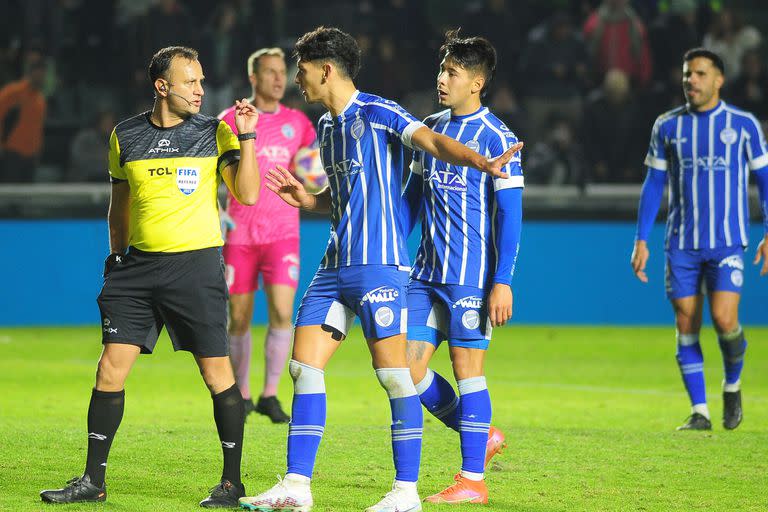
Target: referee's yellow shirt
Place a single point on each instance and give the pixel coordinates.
(174, 174)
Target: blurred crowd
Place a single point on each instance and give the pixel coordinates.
(580, 81)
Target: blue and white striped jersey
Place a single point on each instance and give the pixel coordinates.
(458, 229)
(362, 153)
(708, 156)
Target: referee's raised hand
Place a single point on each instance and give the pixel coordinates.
(246, 116)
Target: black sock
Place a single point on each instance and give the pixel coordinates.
(229, 413)
(104, 415)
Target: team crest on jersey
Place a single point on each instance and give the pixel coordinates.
(357, 129)
(728, 136)
(469, 302)
(287, 131)
(737, 278)
(473, 145)
(733, 261)
(471, 319)
(187, 179)
(380, 294)
(384, 316)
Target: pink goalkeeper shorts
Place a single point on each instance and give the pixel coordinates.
(277, 262)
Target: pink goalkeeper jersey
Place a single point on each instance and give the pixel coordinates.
(280, 135)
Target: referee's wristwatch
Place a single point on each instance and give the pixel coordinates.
(112, 261)
(246, 136)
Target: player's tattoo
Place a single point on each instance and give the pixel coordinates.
(415, 350)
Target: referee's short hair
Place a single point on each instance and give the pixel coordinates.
(472, 53)
(330, 43)
(161, 61)
(253, 60)
(695, 53)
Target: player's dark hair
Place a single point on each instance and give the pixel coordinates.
(714, 58)
(161, 61)
(471, 53)
(330, 44)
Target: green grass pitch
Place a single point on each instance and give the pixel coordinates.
(589, 414)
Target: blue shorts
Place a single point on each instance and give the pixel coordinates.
(452, 312)
(697, 271)
(375, 293)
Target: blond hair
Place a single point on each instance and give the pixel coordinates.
(253, 60)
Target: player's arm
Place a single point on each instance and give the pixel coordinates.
(453, 152)
(292, 191)
(242, 176)
(412, 203)
(118, 222)
(650, 201)
(756, 153)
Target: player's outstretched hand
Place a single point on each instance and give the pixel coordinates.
(281, 182)
(246, 116)
(639, 258)
(762, 254)
(495, 165)
(500, 304)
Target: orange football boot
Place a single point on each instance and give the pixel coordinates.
(463, 491)
(496, 443)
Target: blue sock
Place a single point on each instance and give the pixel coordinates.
(407, 421)
(733, 345)
(475, 420)
(307, 418)
(439, 398)
(691, 362)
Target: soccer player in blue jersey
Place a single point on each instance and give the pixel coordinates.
(364, 271)
(461, 280)
(705, 150)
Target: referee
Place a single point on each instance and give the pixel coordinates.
(165, 266)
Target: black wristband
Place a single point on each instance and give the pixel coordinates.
(246, 136)
(111, 262)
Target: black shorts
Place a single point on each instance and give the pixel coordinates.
(184, 291)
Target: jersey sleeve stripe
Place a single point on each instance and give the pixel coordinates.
(231, 156)
(655, 163)
(758, 163)
(408, 132)
(511, 182)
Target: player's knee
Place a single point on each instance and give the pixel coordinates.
(306, 379)
(687, 324)
(725, 321)
(108, 376)
(239, 323)
(281, 319)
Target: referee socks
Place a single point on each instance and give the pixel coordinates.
(229, 414)
(104, 415)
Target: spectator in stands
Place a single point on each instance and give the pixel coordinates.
(750, 90)
(612, 139)
(558, 158)
(672, 35)
(730, 38)
(617, 39)
(22, 115)
(556, 71)
(89, 149)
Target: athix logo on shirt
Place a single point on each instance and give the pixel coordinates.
(346, 167)
(163, 146)
(380, 294)
(470, 302)
(446, 179)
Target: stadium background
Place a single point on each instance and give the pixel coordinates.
(584, 112)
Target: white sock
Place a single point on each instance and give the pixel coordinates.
(732, 388)
(476, 477)
(399, 484)
(701, 409)
(297, 480)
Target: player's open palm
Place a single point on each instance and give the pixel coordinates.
(639, 259)
(500, 304)
(495, 165)
(246, 116)
(281, 182)
(762, 254)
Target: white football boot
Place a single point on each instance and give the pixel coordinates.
(286, 494)
(402, 498)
